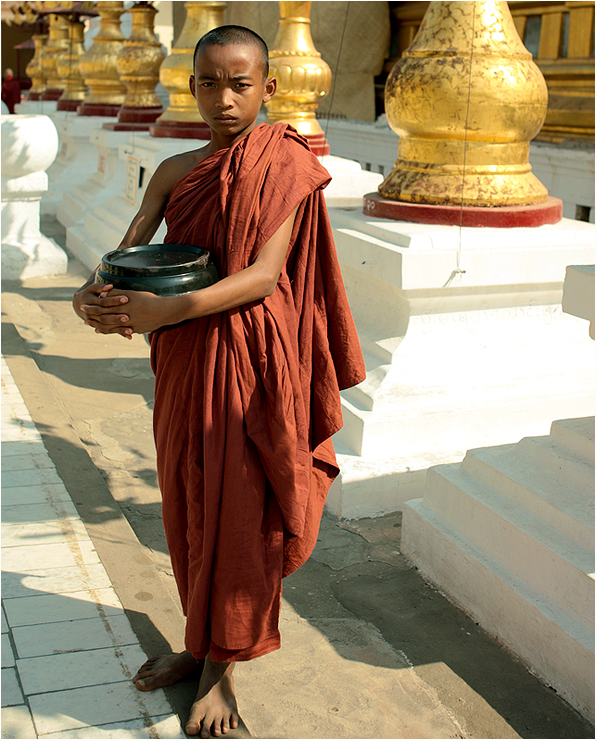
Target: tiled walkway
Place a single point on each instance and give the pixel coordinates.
(68, 651)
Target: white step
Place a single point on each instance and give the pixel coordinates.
(578, 435)
(555, 567)
(528, 474)
(558, 648)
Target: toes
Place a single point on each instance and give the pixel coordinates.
(191, 728)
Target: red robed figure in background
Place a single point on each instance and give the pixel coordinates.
(247, 400)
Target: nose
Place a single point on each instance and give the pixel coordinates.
(224, 100)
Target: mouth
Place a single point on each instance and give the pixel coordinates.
(226, 119)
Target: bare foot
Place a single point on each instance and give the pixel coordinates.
(165, 670)
(215, 708)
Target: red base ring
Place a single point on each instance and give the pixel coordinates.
(139, 115)
(318, 144)
(498, 217)
(98, 109)
(52, 94)
(68, 105)
(180, 130)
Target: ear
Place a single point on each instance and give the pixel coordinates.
(192, 85)
(271, 85)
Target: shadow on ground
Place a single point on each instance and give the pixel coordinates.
(357, 566)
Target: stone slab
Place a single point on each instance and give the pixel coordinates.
(167, 726)
(11, 694)
(78, 708)
(17, 723)
(21, 559)
(75, 635)
(54, 608)
(61, 579)
(75, 669)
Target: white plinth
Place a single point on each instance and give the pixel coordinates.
(509, 535)
(77, 156)
(349, 182)
(455, 360)
(105, 224)
(105, 183)
(39, 107)
(29, 146)
(579, 294)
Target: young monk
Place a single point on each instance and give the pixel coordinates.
(248, 370)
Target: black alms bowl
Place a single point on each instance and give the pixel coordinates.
(163, 269)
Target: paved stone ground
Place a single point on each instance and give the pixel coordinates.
(68, 651)
(369, 649)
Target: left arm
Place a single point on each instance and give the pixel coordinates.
(146, 312)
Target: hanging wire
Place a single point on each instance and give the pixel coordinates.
(468, 108)
(334, 76)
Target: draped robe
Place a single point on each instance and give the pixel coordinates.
(246, 400)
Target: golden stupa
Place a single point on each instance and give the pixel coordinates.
(182, 119)
(304, 79)
(465, 99)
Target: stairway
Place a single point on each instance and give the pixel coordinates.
(508, 535)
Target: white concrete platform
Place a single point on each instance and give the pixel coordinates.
(465, 344)
(108, 179)
(68, 650)
(509, 536)
(77, 157)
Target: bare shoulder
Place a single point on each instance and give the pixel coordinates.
(178, 166)
(173, 169)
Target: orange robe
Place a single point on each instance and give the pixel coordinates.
(246, 401)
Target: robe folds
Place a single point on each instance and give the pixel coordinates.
(246, 401)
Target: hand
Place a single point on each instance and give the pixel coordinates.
(92, 299)
(146, 312)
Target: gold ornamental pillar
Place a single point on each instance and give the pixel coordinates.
(138, 65)
(56, 46)
(304, 79)
(181, 119)
(98, 64)
(75, 89)
(465, 99)
(34, 69)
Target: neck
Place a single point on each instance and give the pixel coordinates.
(219, 141)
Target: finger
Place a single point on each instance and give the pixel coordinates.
(107, 302)
(99, 288)
(94, 318)
(124, 331)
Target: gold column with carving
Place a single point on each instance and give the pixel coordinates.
(98, 64)
(182, 120)
(465, 99)
(56, 46)
(304, 79)
(75, 89)
(138, 65)
(35, 70)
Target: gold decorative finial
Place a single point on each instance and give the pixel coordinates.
(98, 64)
(56, 46)
(304, 79)
(465, 99)
(138, 65)
(34, 69)
(75, 89)
(182, 119)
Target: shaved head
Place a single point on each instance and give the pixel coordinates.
(228, 35)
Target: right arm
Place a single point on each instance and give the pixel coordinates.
(142, 228)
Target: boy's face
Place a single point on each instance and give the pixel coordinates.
(229, 88)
